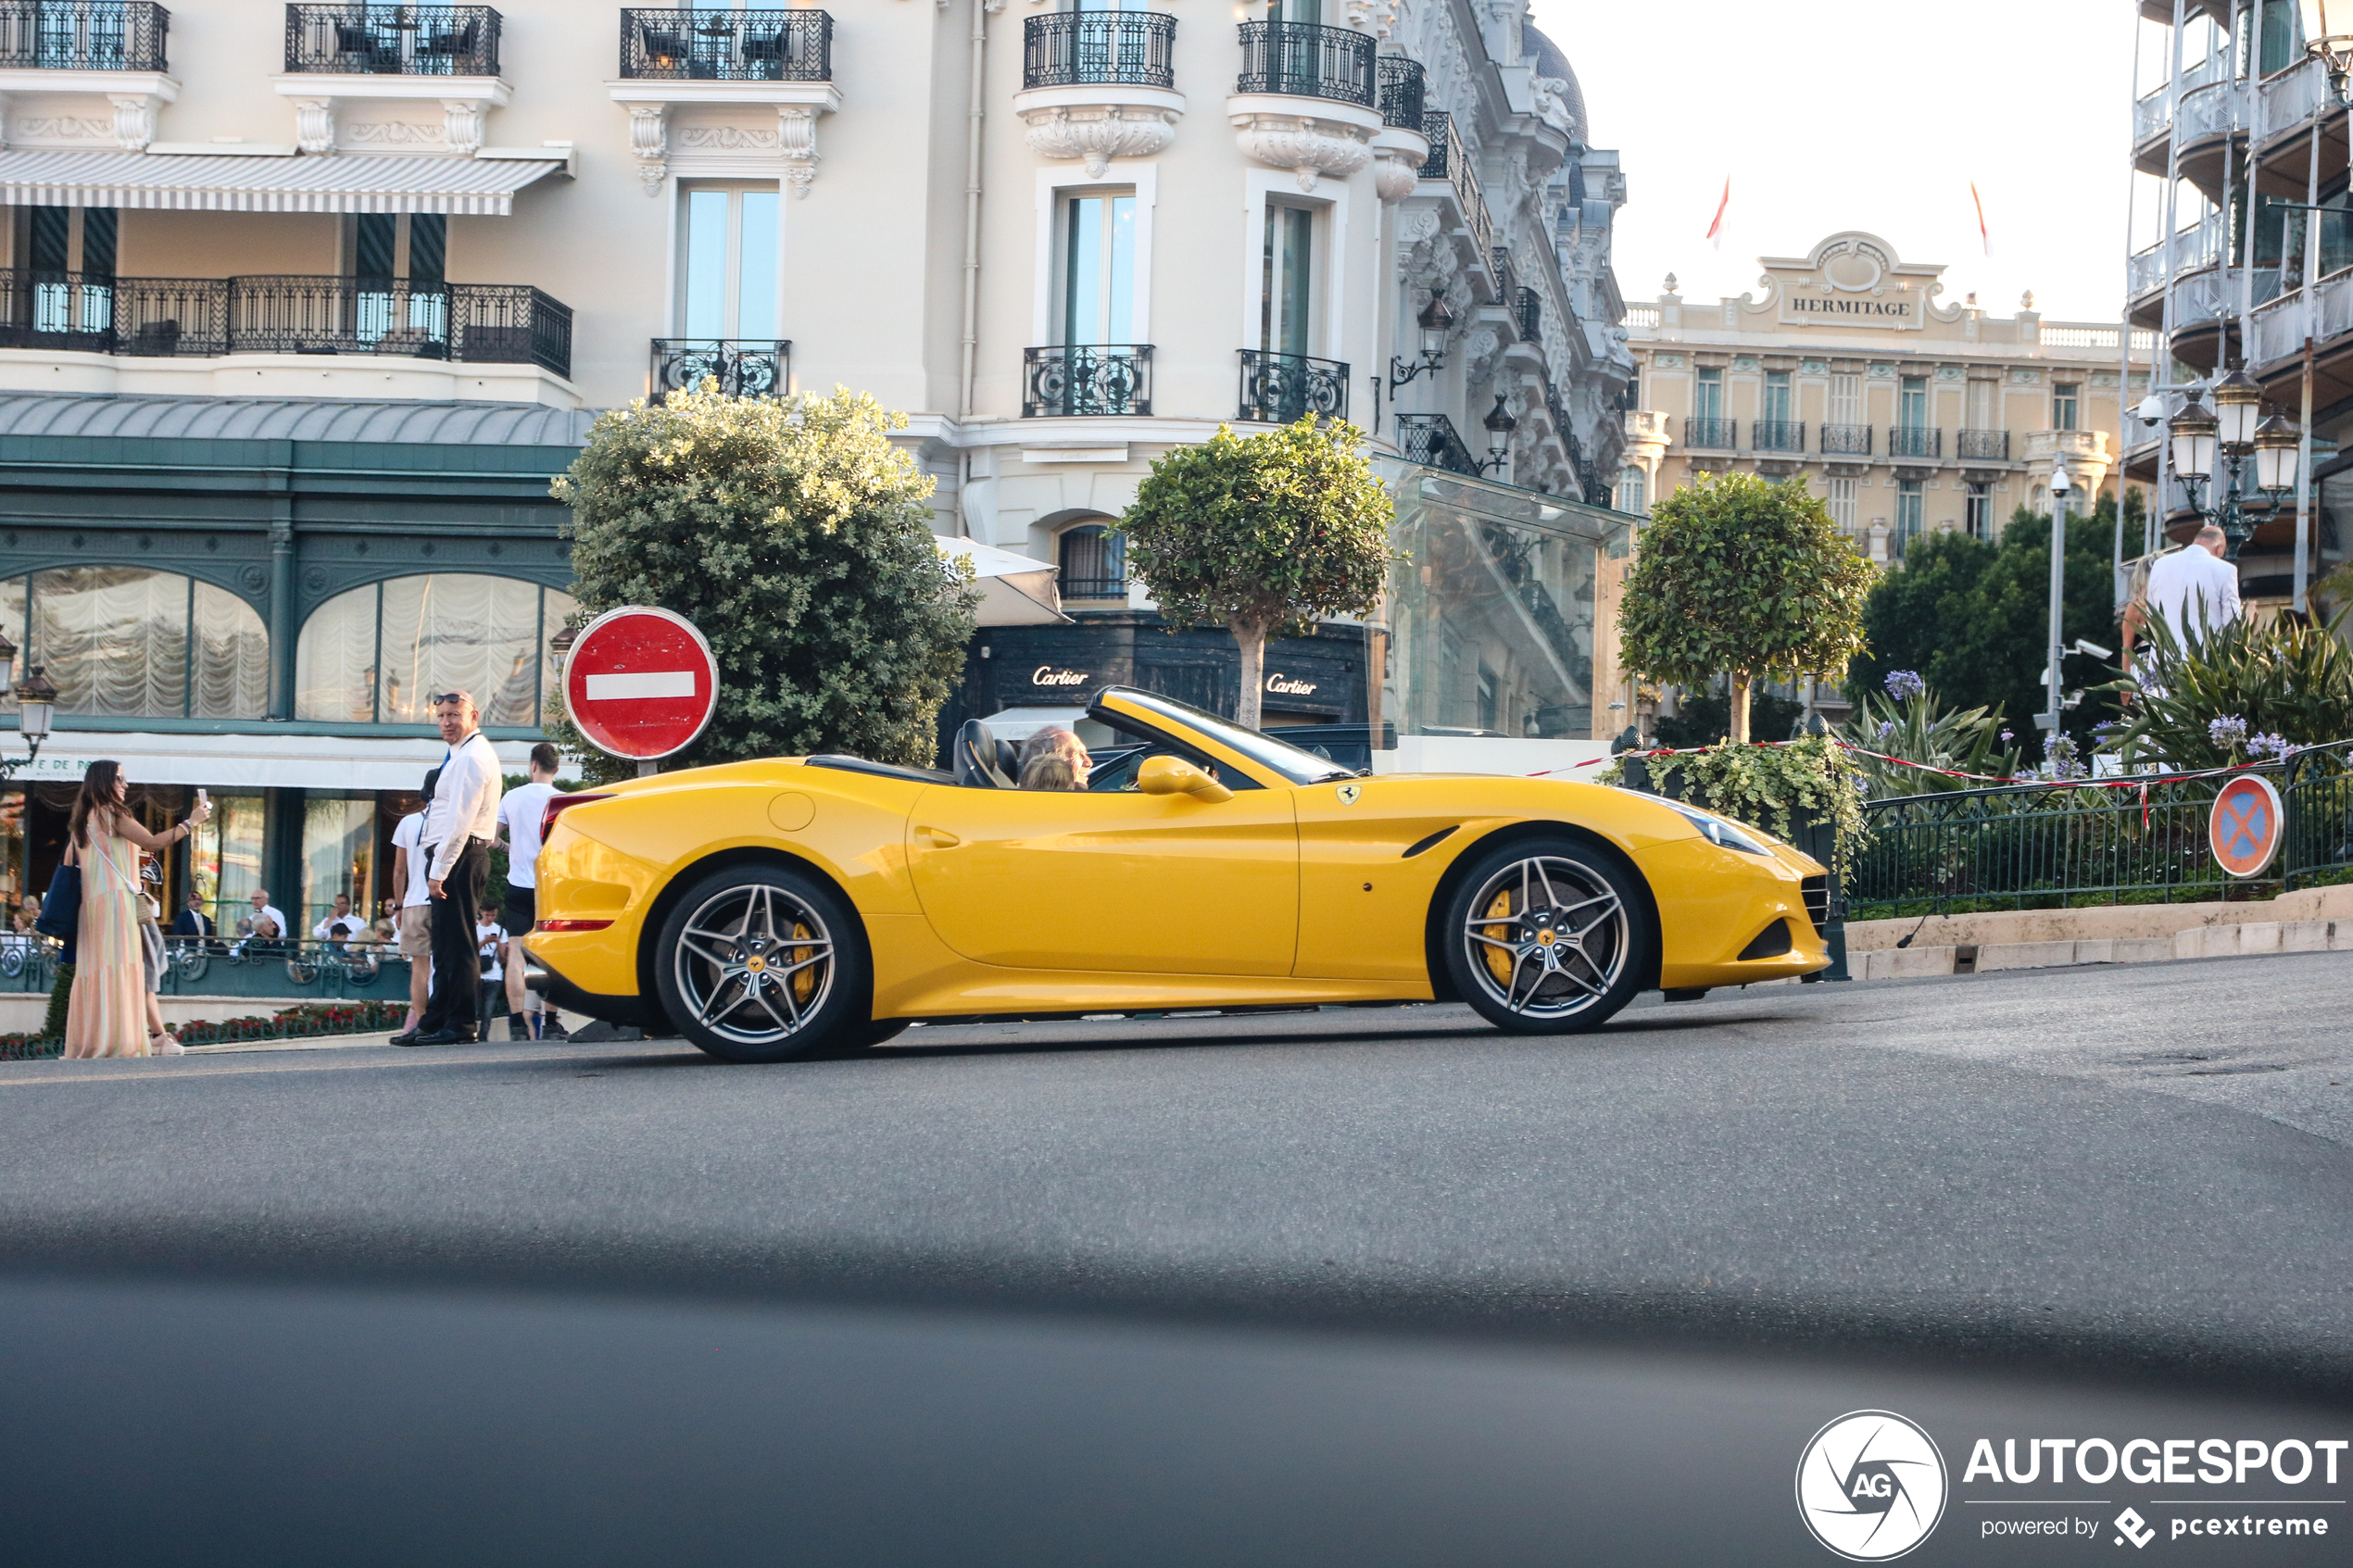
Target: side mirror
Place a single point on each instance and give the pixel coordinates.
(1174, 775)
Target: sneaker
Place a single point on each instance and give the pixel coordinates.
(517, 1029)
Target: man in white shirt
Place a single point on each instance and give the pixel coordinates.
(263, 909)
(2194, 590)
(415, 902)
(340, 914)
(519, 816)
(463, 817)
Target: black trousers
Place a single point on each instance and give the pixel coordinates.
(456, 971)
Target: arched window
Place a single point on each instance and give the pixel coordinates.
(377, 654)
(1634, 491)
(122, 642)
(1093, 561)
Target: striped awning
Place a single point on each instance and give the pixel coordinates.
(194, 181)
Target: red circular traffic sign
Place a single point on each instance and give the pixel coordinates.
(2246, 826)
(640, 682)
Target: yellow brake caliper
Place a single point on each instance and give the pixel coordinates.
(804, 981)
(1499, 962)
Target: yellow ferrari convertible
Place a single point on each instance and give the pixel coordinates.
(810, 905)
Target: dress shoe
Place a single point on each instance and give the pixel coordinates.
(444, 1038)
(406, 1038)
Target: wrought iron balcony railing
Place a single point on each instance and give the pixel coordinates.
(1307, 60)
(717, 46)
(1982, 446)
(1430, 438)
(1915, 441)
(83, 35)
(1714, 435)
(1131, 48)
(1446, 162)
(1777, 435)
(1846, 441)
(1402, 88)
(363, 40)
(1280, 388)
(1099, 378)
(480, 323)
(743, 368)
(1528, 309)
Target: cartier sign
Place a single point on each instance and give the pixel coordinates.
(1284, 686)
(1046, 675)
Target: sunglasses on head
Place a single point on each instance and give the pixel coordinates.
(439, 697)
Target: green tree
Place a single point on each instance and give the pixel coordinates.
(798, 538)
(1739, 578)
(1973, 617)
(1260, 531)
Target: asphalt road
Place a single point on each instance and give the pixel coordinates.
(2145, 1167)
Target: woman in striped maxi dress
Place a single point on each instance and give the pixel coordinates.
(106, 1012)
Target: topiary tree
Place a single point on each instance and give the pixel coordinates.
(1739, 577)
(798, 538)
(1260, 532)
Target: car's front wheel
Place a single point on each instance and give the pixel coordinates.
(759, 963)
(1546, 936)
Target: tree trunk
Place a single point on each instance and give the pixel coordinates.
(1251, 637)
(1738, 693)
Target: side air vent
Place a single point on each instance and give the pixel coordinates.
(1432, 842)
(1818, 902)
(1771, 942)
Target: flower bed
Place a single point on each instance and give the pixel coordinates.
(291, 1023)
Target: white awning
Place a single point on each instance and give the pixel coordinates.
(477, 187)
(1014, 590)
(253, 761)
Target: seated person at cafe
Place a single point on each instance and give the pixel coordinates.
(1053, 758)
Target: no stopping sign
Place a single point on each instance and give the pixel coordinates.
(640, 682)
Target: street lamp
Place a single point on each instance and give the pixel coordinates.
(2328, 36)
(2234, 431)
(36, 702)
(1500, 426)
(2060, 486)
(1436, 320)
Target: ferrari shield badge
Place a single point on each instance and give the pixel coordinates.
(1350, 794)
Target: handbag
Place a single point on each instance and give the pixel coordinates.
(61, 910)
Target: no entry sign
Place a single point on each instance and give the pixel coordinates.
(2246, 826)
(640, 682)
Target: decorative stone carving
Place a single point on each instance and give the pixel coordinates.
(797, 143)
(461, 123)
(135, 121)
(395, 133)
(1309, 146)
(315, 124)
(649, 144)
(1098, 122)
(728, 139)
(1395, 175)
(63, 128)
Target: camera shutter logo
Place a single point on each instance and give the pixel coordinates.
(1871, 1486)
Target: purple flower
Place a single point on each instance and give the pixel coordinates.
(2009, 736)
(2267, 746)
(2228, 731)
(1886, 728)
(1906, 685)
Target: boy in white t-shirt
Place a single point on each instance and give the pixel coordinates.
(415, 901)
(490, 946)
(519, 814)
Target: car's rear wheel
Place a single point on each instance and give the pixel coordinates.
(759, 963)
(1546, 936)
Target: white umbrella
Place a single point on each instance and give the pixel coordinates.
(1014, 590)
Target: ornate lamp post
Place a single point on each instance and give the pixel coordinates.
(36, 704)
(2234, 430)
(1435, 321)
(1500, 425)
(2328, 34)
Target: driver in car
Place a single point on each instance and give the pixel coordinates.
(1055, 758)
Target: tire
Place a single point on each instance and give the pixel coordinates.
(759, 963)
(1546, 936)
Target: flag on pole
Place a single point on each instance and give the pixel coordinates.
(1984, 238)
(1716, 227)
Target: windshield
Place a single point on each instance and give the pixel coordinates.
(1298, 766)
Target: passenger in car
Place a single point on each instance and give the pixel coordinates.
(1055, 758)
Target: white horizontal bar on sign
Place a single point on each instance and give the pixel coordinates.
(650, 683)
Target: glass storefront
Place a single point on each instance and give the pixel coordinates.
(1502, 619)
(126, 643)
(377, 654)
(225, 856)
(338, 857)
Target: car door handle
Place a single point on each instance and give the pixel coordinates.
(938, 838)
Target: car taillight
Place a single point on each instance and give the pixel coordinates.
(572, 926)
(561, 802)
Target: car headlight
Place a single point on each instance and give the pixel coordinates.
(1719, 831)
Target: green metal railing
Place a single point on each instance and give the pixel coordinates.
(229, 967)
(2040, 847)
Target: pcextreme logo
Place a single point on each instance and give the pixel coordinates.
(1871, 1486)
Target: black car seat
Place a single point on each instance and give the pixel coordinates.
(982, 760)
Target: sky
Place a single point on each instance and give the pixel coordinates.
(1829, 115)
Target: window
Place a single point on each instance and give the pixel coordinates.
(728, 266)
(1977, 511)
(1286, 280)
(58, 240)
(1912, 402)
(338, 856)
(399, 262)
(2063, 400)
(225, 855)
(2278, 45)
(1093, 561)
(1846, 399)
(1841, 504)
(1981, 405)
(122, 642)
(1707, 395)
(374, 655)
(1910, 501)
(1776, 407)
(1634, 492)
(1098, 268)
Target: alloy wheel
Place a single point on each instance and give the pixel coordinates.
(1549, 938)
(753, 964)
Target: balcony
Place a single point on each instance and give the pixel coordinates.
(1099, 85)
(1070, 380)
(1777, 435)
(1308, 60)
(1447, 163)
(1399, 146)
(83, 35)
(713, 45)
(1401, 90)
(361, 40)
(1846, 441)
(1981, 446)
(1915, 441)
(205, 318)
(742, 367)
(1431, 439)
(1283, 388)
(1710, 434)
